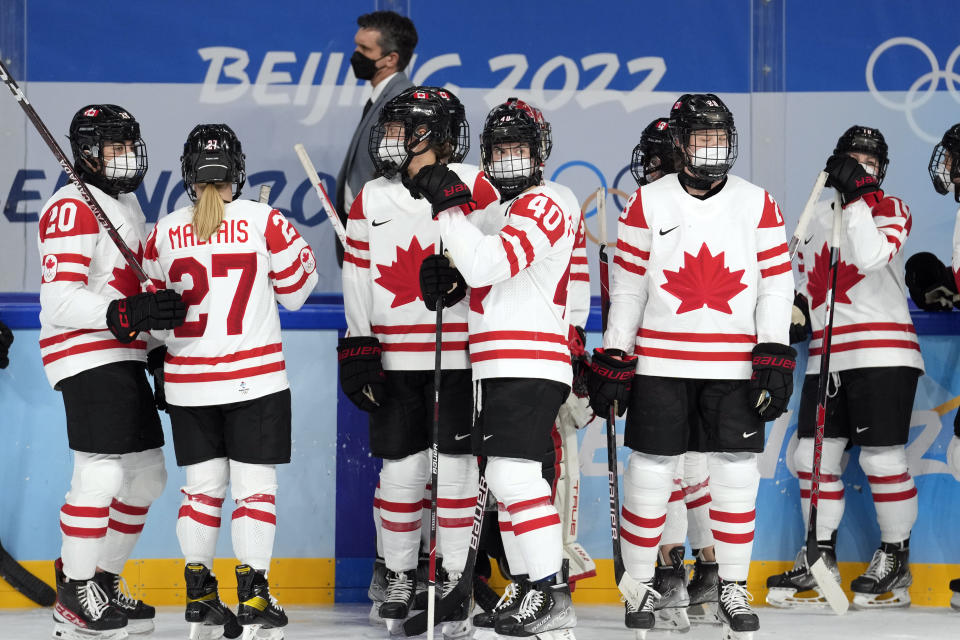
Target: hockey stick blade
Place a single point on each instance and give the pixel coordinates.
(832, 591)
(807, 213)
(24, 581)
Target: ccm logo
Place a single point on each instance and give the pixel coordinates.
(611, 374)
(774, 361)
(359, 351)
(457, 188)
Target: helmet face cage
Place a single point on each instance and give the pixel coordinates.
(705, 136)
(546, 131)
(858, 139)
(944, 167)
(410, 124)
(459, 127)
(212, 154)
(108, 151)
(513, 126)
(655, 153)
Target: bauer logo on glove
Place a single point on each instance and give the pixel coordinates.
(772, 380)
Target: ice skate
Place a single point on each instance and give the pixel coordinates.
(797, 588)
(401, 586)
(377, 591)
(423, 577)
(641, 616)
(544, 610)
(84, 612)
(457, 623)
(738, 619)
(139, 614)
(886, 582)
(955, 598)
(703, 592)
(483, 594)
(209, 618)
(258, 613)
(670, 581)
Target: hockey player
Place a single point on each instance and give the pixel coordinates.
(874, 366)
(91, 311)
(225, 381)
(687, 512)
(701, 287)
(387, 357)
(517, 260)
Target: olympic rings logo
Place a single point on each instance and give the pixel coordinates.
(932, 79)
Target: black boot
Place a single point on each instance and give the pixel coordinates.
(257, 606)
(84, 609)
(546, 607)
(139, 614)
(509, 603)
(889, 572)
(204, 607)
(734, 611)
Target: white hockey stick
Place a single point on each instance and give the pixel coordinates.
(264, 194)
(321, 193)
(807, 213)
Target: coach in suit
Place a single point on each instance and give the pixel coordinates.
(385, 42)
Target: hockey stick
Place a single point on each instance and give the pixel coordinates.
(833, 593)
(61, 157)
(435, 467)
(807, 213)
(264, 194)
(24, 581)
(321, 193)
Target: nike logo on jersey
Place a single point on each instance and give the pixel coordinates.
(377, 224)
(485, 438)
(461, 436)
(663, 233)
(747, 435)
(861, 430)
(807, 241)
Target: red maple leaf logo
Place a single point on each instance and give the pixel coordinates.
(847, 276)
(477, 296)
(124, 279)
(703, 281)
(402, 277)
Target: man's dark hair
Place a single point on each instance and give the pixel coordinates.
(397, 33)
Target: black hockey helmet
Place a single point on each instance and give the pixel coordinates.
(944, 164)
(514, 121)
(655, 153)
(119, 170)
(211, 154)
(459, 127)
(546, 131)
(415, 116)
(704, 112)
(865, 140)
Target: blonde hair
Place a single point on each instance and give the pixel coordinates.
(208, 212)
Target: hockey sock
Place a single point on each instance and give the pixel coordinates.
(401, 501)
(85, 516)
(734, 480)
(519, 485)
(696, 497)
(675, 528)
(198, 523)
(456, 501)
(514, 558)
(831, 503)
(377, 527)
(254, 489)
(894, 494)
(647, 486)
(144, 477)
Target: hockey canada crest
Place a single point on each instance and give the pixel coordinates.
(703, 281)
(307, 260)
(50, 266)
(402, 276)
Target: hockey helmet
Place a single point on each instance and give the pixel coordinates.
(513, 122)
(704, 134)
(655, 153)
(108, 151)
(546, 131)
(944, 164)
(459, 127)
(865, 140)
(416, 116)
(213, 154)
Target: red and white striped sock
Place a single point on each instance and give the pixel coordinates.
(456, 503)
(696, 496)
(198, 527)
(253, 528)
(675, 528)
(648, 483)
(831, 502)
(376, 520)
(734, 480)
(401, 509)
(518, 566)
(84, 529)
(893, 489)
(123, 531)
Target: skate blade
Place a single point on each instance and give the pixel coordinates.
(259, 632)
(200, 631)
(730, 634)
(558, 634)
(140, 627)
(955, 602)
(896, 599)
(374, 615)
(481, 633)
(67, 631)
(672, 619)
(785, 598)
(456, 630)
(394, 625)
(703, 613)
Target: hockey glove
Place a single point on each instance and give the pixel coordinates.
(799, 319)
(155, 369)
(577, 340)
(849, 178)
(772, 381)
(6, 339)
(442, 187)
(931, 283)
(610, 380)
(161, 310)
(440, 278)
(361, 372)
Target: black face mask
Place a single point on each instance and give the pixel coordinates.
(364, 68)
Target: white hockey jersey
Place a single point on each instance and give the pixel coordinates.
(83, 272)
(229, 347)
(389, 233)
(516, 256)
(871, 320)
(695, 284)
(578, 289)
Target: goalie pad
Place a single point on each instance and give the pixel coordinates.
(574, 413)
(931, 283)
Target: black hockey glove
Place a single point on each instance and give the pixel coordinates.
(799, 319)
(361, 372)
(155, 369)
(610, 380)
(161, 310)
(772, 382)
(6, 339)
(931, 283)
(849, 178)
(441, 186)
(439, 277)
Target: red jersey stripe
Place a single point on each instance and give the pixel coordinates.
(68, 276)
(360, 262)
(521, 235)
(358, 244)
(629, 248)
(99, 345)
(772, 253)
(783, 267)
(417, 347)
(217, 376)
(580, 277)
(77, 258)
(511, 256)
(304, 276)
(868, 326)
(417, 328)
(286, 273)
(521, 354)
(518, 335)
(57, 339)
(701, 356)
(629, 266)
(697, 337)
(867, 344)
(230, 357)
